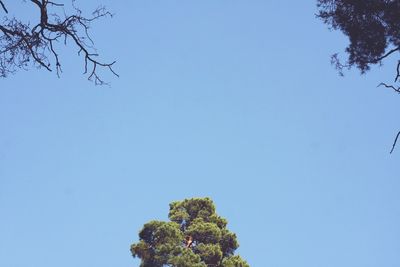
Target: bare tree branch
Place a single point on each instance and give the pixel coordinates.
(390, 86)
(394, 143)
(3, 6)
(22, 45)
(385, 55)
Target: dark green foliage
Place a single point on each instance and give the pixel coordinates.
(373, 28)
(195, 237)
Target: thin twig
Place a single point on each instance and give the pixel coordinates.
(395, 141)
(390, 86)
(3, 6)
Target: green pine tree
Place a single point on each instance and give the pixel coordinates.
(195, 237)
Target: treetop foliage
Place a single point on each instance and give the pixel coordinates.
(372, 26)
(373, 29)
(195, 236)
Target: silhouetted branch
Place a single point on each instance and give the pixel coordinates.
(385, 55)
(21, 44)
(3, 6)
(395, 142)
(397, 90)
(390, 86)
(339, 66)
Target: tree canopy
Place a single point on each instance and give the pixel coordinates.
(195, 236)
(373, 29)
(24, 44)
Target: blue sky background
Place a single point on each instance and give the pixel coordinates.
(235, 100)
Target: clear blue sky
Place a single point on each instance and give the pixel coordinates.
(235, 100)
